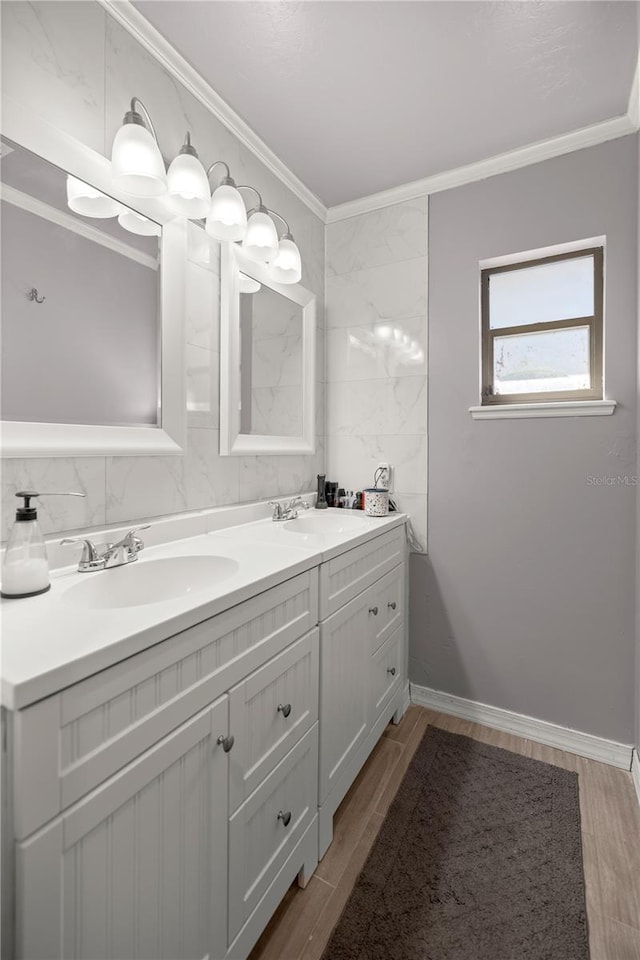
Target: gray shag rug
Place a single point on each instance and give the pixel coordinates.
(478, 858)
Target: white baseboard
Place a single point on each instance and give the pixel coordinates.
(635, 771)
(552, 735)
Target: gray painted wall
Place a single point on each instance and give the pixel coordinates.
(526, 600)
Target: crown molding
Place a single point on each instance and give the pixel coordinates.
(501, 163)
(153, 41)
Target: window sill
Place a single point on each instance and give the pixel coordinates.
(559, 408)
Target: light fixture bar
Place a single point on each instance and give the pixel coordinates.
(247, 186)
(218, 163)
(274, 213)
(133, 116)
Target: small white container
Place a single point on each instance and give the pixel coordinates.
(376, 502)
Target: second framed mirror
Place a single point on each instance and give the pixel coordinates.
(267, 361)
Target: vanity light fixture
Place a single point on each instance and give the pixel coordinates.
(136, 162)
(248, 284)
(136, 223)
(287, 265)
(188, 184)
(138, 169)
(261, 239)
(227, 216)
(89, 202)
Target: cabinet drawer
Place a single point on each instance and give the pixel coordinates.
(387, 597)
(73, 741)
(270, 711)
(344, 577)
(261, 833)
(386, 673)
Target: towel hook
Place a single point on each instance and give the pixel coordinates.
(33, 295)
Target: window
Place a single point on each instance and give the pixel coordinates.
(542, 329)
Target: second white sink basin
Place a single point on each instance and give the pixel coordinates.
(322, 522)
(150, 581)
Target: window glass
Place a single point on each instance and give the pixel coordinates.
(542, 362)
(561, 290)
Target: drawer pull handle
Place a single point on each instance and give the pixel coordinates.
(392, 604)
(374, 611)
(226, 742)
(284, 709)
(285, 817)
(392, 671)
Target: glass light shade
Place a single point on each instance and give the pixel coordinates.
(136, 223)
(89, 202)
(248, 284)
(188, 187)
(261, 240)
(227, 217)
(137, 166)
(287, 266)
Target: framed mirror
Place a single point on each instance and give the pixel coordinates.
(267, 357)
(92, 304)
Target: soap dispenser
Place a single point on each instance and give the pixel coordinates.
(25, 570)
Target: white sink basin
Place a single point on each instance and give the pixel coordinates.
(149, 581)
(320, 523)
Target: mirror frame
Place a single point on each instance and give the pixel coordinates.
(29, 440)
(232, 442)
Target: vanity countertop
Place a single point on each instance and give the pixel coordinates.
(51, 641)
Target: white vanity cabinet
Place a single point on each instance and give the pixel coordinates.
(362, 662)
(138, 805)
(161, 807)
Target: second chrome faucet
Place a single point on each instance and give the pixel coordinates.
(287, 511)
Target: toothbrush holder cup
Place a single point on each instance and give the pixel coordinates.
(376, 502)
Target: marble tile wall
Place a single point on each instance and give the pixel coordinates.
(376, 332)
(72, 64)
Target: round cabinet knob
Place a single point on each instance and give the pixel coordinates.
(284, 709)
(392, 604)
(374, 611)
(392, 671)
(226, 742)
(285, 817)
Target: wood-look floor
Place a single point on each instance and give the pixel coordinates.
(610, 816)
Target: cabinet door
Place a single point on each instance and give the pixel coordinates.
(344, 679)
(138, 868)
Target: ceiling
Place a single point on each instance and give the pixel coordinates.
(357, 97)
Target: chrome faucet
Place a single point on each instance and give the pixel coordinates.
(287, 511)
(109, 555)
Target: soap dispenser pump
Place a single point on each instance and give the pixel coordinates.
(25, 570)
